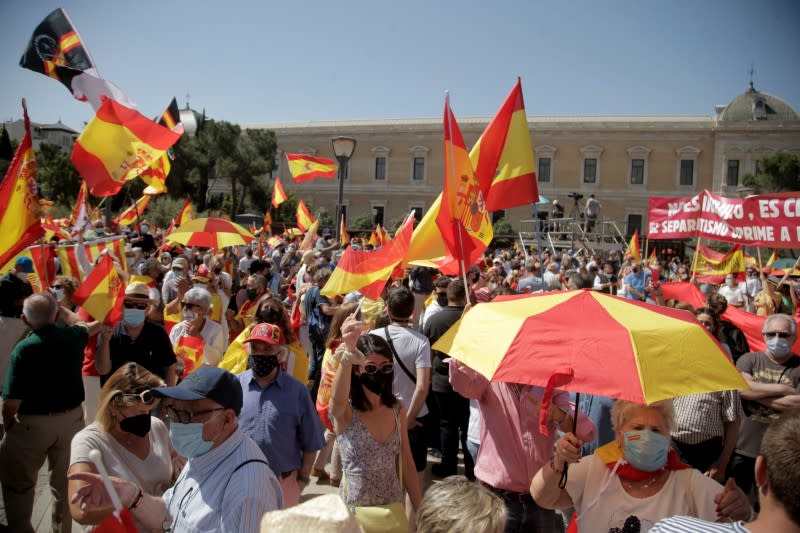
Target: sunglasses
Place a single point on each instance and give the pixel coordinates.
(186, 417)
(189, 305)
(133, 305)
(781, 334)
(385, 368)
(146, 397)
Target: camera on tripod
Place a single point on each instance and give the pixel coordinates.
(575, 196)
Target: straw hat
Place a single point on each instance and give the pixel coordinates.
(323, 514)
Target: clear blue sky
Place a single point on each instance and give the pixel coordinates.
(251, 61)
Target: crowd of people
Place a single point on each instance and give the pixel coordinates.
(231, 380)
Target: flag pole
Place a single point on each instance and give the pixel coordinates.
(696, 255)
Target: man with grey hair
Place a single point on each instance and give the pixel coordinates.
(42, 411)
(773, 377)
(197, 330)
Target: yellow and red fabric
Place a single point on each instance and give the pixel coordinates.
(503, 157)
(190, 351)
(134, 213)
(278, 194)
(267, 226)
(624, 349)
(216, 233)
(463, 219)
(117, 145)
(310, 237)
(155, 176)
(367, 272)
(102, 292)
(382, 235)
(19, 201)
(80, 211)
(712, 266)
(186, 214)
(344, 237)
(306, 167)
(634, 249)
(303, 216)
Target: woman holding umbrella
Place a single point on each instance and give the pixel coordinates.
(636, 480)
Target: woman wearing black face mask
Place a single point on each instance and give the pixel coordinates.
(133, 444)
(371, 433)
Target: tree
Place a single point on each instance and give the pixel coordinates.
(779, 172)
(503, 234)
(361, 222)
(58, 180)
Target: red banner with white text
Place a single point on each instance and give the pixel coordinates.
(762, 220)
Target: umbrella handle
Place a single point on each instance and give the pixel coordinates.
(563, 481)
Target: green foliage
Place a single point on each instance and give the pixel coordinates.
(779, 172)
(162, 210)
(58, 179)
(504, 235)
(361, 222)
(326, 220)
(394, 223)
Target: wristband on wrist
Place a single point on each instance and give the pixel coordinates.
(137, 500)
(553, 465)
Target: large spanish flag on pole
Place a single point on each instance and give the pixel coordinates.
(102, 292)
(304, 217)
(307, 167)
(278, 194)
(133, 213)
(155, 176)
(712, 266)
(19, 199)
(634, 248)
(503, 157)
(367, 272)
(463, 219)
(117, 145)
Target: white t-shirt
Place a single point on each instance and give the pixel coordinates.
(588, 478)
(414, 349)
(153, 473)
(732, 294)
(214, 343)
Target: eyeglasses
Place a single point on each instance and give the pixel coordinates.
(781, 334)
(385, 368)
(186, 417)
(190, 305)
(57, 286)
(134, 305)
(146, 397)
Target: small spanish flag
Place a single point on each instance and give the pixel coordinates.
(118, 145)
(307, 168)
(304, 218)
(634, 249)
(133, 213)
(102, 292)
(278, 194)
(267, 222)
(190, 351)
(344, 237)
(186, 214)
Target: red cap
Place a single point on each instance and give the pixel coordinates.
(269, 333)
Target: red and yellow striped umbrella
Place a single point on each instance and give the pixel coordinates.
(216, 233)
(611, 346)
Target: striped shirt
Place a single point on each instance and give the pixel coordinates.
(685, 524)
(700, 417)
(209, 496)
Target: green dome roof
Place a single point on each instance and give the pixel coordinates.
(755, 105)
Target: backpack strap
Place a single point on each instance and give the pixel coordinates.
(411, 376)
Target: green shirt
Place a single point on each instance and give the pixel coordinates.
(45, 370)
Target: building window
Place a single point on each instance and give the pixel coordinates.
(732, 179)
(590, 170)
(380, 168)
(417, 213)
(687, 172)
(543, 174)
(419, 169)
(758, 167)
(634, 223)
(377, 214)
(637, 171)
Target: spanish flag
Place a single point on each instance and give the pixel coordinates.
(373, 238)
(278, 194)
(19, 203)
(307, 167)
(133, 213)
(304, 218)
(503, 157)
(102, 292)
(186, 213)
(463, 219)
(367, 272)
(310, 237)
(712, 266)
(80, 212)
(190, 351)
(382, 235)
(634, 250)
(117, 145)
(155, 176)
(344, 237)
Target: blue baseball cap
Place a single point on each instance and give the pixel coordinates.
(207, 383)
(24, 264)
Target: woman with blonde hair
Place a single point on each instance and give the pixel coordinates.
(635, 480)
(133, 444)
(458, 504)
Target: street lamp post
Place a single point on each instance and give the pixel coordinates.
(343, 148)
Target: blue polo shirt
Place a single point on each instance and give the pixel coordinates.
(281, 419)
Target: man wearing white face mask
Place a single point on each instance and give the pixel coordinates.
(195, 309)
(773, 377)
(136, 340)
